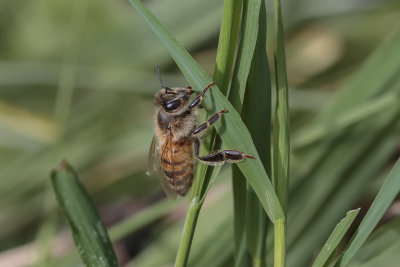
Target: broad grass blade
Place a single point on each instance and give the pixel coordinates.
(89, 232)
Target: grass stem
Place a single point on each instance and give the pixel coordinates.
(280, 243)
(188, 232)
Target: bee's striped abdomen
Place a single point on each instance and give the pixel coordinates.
(178, 166)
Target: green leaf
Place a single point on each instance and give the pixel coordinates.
(88, 230)
(239, 138)
(386, 195)
(335, 237)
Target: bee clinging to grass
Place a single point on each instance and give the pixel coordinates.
(176, 141)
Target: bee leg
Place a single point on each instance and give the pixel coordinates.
(202, 127)
(220, 157)
(199, 98)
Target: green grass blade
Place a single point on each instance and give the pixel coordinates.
(281, 144)
(242, 68)
(257, 104)
(89, 233)
(334, 239)
(386, 195)
(382, 247)
(227, 44)
(240, 138)
(281, 121)
(239, 219)
(248, 39)
(256, 228)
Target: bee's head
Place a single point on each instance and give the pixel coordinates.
(172, 100)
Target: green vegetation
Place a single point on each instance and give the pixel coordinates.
(312, 90)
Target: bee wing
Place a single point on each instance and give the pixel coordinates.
(166, 152)
(166, 187)
(153, 162)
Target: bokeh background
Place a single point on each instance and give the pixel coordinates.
(77, 80)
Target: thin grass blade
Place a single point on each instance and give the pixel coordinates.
(334, 239)
(386, 195)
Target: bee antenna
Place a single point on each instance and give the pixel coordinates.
(159, 77)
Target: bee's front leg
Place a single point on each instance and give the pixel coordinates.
(199, 98)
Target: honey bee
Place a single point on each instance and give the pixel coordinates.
(177, 138)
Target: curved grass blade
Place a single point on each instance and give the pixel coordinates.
(239, 138)
(386, 195)
(88, 230)
(335, 237)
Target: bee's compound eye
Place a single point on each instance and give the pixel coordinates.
(172, 104)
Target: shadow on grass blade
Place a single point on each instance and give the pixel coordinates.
(88, 230)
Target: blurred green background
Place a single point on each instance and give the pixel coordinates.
(77, 80)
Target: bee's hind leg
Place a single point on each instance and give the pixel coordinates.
(220, 157)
